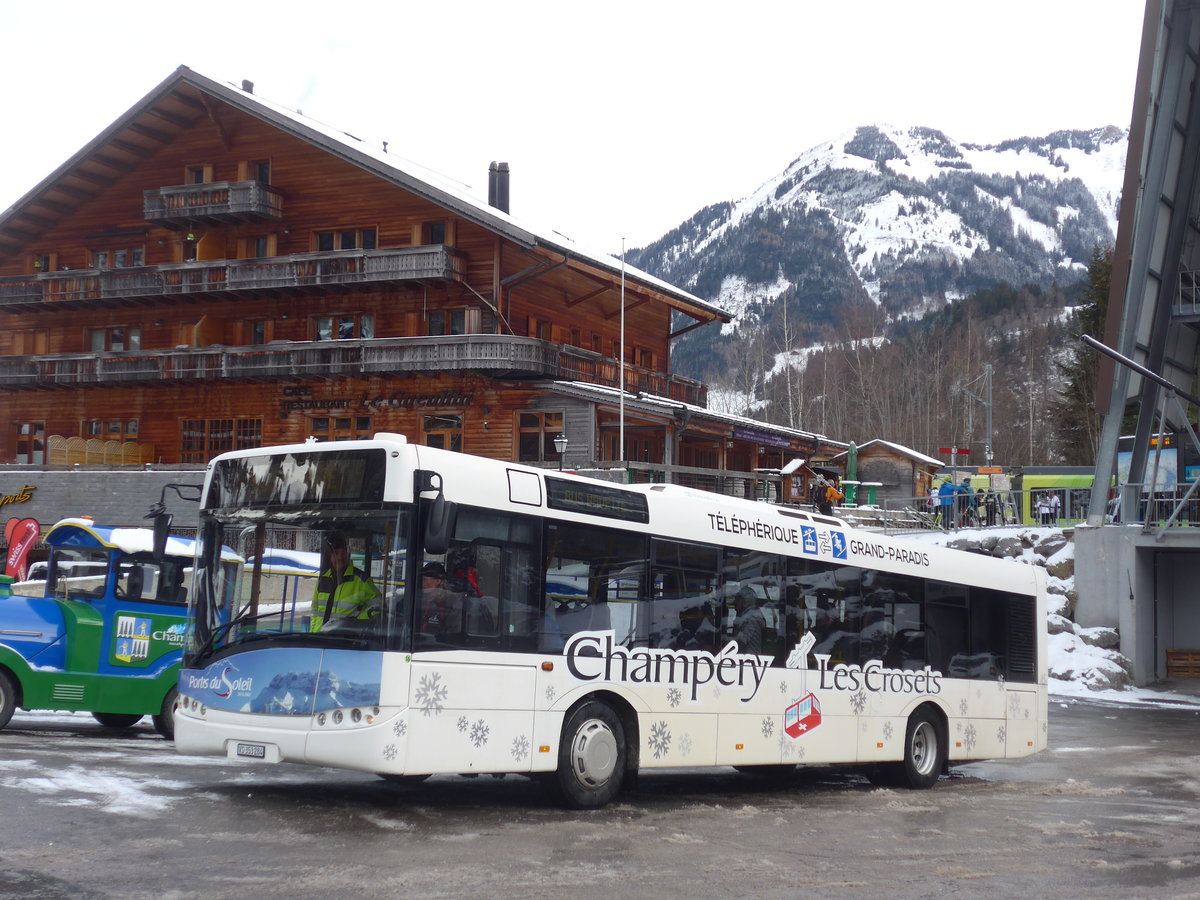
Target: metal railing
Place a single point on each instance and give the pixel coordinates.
(1006, 510)
(300, 272)
(217, 200)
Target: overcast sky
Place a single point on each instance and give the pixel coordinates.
(619, 119)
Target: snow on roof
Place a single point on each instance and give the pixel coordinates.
(667, 404)
(900, 449)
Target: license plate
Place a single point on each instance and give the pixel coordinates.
(254, 751)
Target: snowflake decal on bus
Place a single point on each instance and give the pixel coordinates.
(859, 702)
(768, 727)
(660, 739)
(888, 731)
(786, 745)
(674, 695)
(969, 738)
(462, 724)
(963, 706)
(432, 694)
(1001, 734)
(390, 752)
(520, 747)
(551, 693)
(1014, 705)
(685, 745)
(400, 729)
(479, 734)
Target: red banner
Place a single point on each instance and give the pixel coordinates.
(21, 535)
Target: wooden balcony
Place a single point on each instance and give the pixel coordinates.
(218, 203)
(497, 356)
(303, 273)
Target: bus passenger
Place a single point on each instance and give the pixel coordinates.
(748, 629)
(440, 607)
(343, 592)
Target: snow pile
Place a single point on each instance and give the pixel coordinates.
(1082, 661)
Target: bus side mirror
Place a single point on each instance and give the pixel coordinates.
(162, 528)
(439, 524)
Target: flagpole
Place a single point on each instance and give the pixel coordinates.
(622, 366)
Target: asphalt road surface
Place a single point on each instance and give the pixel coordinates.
(1111, 809)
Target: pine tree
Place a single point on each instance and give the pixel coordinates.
(1078, 424)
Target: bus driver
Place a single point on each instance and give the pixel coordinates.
(343, 592)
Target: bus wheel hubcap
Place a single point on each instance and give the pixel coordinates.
(923, 744)
(594, 753)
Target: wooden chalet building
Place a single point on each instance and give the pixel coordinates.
(215, 272)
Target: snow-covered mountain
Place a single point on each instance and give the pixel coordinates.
(905, 218)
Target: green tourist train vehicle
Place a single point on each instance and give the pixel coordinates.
(105, 632)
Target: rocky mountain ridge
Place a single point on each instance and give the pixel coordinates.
(901, 218)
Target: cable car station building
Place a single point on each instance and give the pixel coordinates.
(215, 272)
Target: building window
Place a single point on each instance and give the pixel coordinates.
(31, 442)
(347, 239)
(258, 331)
(344, 327)
(198, 174)
(340, 428)
(116, 338)
(202, 439)
(442, 430)
(109, 429)
(255, 170)
(258, 246)
(118, 258)
(536, 432)
(455, 321)
(29, 343)
(433, 233)
(43, 262)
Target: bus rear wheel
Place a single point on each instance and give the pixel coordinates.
(117, 720)
(591, 756)
(923, 753)
(164, 722)
(8, 698)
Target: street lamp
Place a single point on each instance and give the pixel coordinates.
(560, 445)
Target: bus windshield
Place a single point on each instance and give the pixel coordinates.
(337, 579)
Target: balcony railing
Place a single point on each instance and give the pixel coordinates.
(303, 272)
(500, 356)
(221, 202)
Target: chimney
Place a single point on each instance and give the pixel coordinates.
(247, 85)
(498, 186)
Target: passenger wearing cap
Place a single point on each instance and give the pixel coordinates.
(441, 608)
(343, 592)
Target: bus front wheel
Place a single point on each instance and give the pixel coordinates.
(8, 698)
(591, 756)
(164, 722)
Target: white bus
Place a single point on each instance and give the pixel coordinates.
(586, 630)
